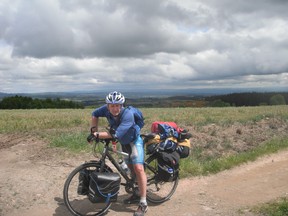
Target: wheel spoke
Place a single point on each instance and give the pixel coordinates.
(158, 191)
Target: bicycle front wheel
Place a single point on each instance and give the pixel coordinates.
(78, 203)
(158, 191)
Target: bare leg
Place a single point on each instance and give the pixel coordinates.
(141, 178)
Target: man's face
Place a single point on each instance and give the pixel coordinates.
(114, 109)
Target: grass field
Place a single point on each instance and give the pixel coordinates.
(49, 120)
(68, 128)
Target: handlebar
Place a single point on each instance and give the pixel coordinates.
(96, 140)
(106, 142)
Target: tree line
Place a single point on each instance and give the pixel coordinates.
(249, 99)
(235, 99)
(227, 100)
(22, 102)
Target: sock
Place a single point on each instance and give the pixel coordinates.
(143, 200)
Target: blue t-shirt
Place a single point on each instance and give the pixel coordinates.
(125, 127)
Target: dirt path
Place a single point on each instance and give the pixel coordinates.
(32, 178)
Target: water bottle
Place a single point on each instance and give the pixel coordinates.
(171, 173)
(170, 170)
(124, 166)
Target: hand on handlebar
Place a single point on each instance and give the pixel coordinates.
(93, 137)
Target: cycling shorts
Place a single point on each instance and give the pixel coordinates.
(135, 151)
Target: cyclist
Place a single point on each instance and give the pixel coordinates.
(127, 132)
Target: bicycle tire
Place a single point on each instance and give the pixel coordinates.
(158, 191)
(79, 205)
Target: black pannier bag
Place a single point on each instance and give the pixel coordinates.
(84, 179)
(183, 151)
(104, 187)
(168, 166)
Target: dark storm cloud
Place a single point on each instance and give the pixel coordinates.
(114, 28)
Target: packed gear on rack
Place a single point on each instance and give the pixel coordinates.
(172, 143)
(170, 137)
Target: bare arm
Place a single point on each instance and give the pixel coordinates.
(94, 123)
(101, 135)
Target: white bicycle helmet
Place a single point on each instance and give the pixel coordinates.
(115, 98)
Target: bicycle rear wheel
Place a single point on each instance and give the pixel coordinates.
(158, 191)
(80, 205)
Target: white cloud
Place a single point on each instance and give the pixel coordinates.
(87, 45)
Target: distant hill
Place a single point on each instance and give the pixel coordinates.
(2, 95)
(168, 98)
(143, 93)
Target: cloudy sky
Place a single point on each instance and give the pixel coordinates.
(70, 45)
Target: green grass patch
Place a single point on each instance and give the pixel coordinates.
(43, 121)
(278, 207)
(75, 142)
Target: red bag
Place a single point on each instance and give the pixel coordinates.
(154, 126)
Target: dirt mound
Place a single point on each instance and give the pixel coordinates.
(31, 174)
(7, 141)
(231, 139)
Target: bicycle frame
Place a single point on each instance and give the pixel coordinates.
(106, 154)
